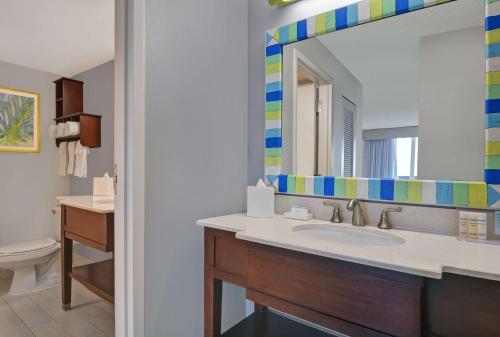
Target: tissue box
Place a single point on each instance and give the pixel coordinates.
(260, 202)
(104, 186)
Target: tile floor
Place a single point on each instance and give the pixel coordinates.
(40, 314)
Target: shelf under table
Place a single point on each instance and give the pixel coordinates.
(269, 324)
(97, 277)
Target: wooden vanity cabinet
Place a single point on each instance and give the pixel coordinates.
(349, 298)
(461, 306)
(93, 229)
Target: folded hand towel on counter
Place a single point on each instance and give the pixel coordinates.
(71, 128)
(71, 157)
(60, 130)
(63, 158)
(81, 153)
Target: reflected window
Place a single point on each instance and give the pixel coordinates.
(406, 157)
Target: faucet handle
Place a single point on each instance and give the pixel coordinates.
(392, 209)
(384, 217)
(336, 216)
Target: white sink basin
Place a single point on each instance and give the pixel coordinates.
(348, 235)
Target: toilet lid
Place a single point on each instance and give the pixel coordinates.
(27, 247)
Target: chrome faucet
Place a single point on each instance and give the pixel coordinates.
(358, 218)
(384, 222)
(336, 216)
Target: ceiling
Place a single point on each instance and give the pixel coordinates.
(383, 56)
(64, 37)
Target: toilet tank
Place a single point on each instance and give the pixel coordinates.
(56, 221)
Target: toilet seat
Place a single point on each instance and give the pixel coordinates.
(27, 248)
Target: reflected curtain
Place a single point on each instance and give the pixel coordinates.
(380, 158)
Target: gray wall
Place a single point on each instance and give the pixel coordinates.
(344, 85)
(196, 158)
(29, 182)
(262, 17)
(98, 98)
(451, 125)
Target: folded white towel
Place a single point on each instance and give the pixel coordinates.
(71, 157)
(60, 130)
(63, 158)
(81, 153)
(52, 131)
(71, 128)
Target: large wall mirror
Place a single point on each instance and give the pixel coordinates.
(397, 98)
(400, 98)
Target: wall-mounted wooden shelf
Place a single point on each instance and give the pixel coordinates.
(74, 117)
(69, 107)
(69, 96)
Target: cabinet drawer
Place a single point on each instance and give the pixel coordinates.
(230, 257)
(91, 228)
(381, 300)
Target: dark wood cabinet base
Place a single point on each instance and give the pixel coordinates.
(95, 230)
(352, 299)
(269, 324)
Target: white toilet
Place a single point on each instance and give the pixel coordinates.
(27, 259)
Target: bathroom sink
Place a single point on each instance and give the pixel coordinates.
(348, 235)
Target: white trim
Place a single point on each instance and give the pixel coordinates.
(121, 307)
(129, 159)
(273, 124)
(309, 185)
(136, 161)
(492, 64)
(493, 134)
(272, 78)
(492, 9)
(363, 12)
(429, 192)
(362, 188)
(326, 82)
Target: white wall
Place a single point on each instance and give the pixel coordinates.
(344, 84)
(391, 103)
(98, 98)
(451, 145)
(196, 151)
(28, 181)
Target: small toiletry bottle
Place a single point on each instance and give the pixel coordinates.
(463, 222)
(472, 228)
(482, 226)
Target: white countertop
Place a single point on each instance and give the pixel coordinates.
(423, 254)
(89, 203)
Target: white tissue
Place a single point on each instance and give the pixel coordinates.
(260, 200)
(104, 186)
(261, 183)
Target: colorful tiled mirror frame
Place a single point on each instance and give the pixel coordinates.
(430, 192)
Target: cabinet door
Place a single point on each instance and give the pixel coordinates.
(462, 306)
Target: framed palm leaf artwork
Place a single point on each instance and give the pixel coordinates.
(19, 121)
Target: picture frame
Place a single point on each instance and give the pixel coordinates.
(19, 121)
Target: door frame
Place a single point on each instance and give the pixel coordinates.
(326, 83)
(129, 145)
